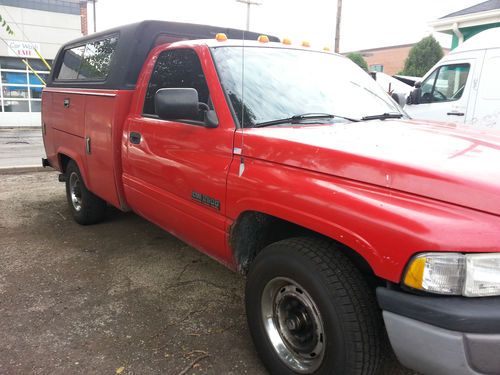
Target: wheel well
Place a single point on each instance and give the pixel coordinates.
(63, 162)
(253, 231)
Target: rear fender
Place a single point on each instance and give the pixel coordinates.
(77, 158)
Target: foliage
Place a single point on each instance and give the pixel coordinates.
(6, 26)
(358, 59)
(422, 57)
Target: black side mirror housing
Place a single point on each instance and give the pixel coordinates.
(183, 104)
(415, 96)
(210, 119)
(177, 104)
(399, 98)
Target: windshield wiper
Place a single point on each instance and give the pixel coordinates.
(296, 119)
(382, 116)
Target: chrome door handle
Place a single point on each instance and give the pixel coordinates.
(66, 103)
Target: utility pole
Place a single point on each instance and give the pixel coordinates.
(249, 3)
(95, 22)
(337, 27)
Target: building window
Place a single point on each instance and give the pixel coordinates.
(376, 68)
(20, 88)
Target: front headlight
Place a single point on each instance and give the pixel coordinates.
(470, 275)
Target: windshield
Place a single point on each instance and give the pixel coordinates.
(281, 83)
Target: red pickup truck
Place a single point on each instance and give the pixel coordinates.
(350, 221)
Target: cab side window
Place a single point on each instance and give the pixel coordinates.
(445, 84)
(178, 68)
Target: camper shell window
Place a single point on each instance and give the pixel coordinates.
(88, 62)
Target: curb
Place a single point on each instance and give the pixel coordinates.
(24, 169)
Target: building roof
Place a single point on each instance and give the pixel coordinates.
(481, 7)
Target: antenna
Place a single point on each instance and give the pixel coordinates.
(242, 122)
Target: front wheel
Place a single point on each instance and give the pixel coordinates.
(86, 207)
(310, 311)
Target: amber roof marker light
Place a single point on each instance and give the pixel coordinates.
(220, 37)
(263, 39)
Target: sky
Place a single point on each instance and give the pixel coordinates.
(365, 23)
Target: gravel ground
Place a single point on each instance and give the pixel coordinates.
(121, 296)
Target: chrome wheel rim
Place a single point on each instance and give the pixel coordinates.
(293, 325)
(75, 191)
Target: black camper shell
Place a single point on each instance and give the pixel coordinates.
(133, 44)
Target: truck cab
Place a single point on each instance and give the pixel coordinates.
(462, 88)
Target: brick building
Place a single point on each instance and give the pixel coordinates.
(390, 60)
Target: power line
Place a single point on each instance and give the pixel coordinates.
(19, 27)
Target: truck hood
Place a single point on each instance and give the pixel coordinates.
(444, 162)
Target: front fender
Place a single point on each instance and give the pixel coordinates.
(383, 226)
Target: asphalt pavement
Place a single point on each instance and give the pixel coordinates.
(21, 147)
(122, 296)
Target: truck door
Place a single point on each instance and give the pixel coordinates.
(445, 93)
(487, 108)
(175, 171)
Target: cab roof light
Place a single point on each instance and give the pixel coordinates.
(286, 41)
(305, 43)
(220, 37)
(263, 39)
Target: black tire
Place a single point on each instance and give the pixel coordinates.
(351, 340)
(85, 207)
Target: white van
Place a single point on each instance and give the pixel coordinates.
(464, 87)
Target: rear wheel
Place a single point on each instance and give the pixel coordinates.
(310, 311)
(86, 207)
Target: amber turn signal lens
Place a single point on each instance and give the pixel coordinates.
(286, 41)
(415, 274)
(305, 43)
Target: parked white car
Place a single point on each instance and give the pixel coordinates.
(464, 87)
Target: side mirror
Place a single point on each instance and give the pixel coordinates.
(177, 104)
(415, 96)
(182, 104)
(399, 98)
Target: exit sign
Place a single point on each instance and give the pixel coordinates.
(23, 49)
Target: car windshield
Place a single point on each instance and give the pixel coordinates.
(280, 83)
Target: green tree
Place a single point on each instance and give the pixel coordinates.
(6, 26)
(358, 59)
(422, 57)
